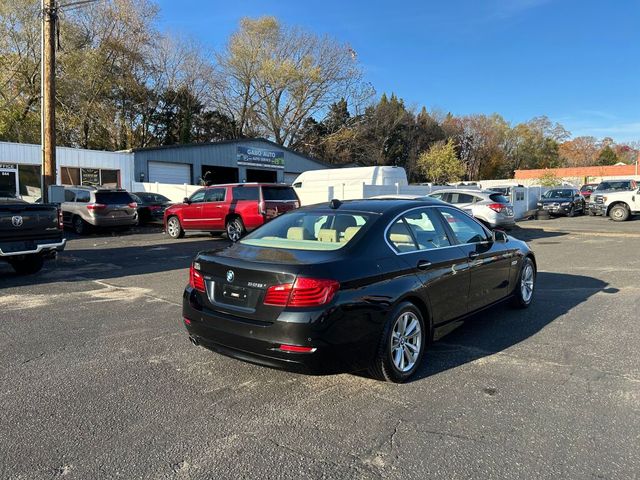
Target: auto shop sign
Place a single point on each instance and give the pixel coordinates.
(257, 157)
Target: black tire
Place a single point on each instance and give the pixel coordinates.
(174, 228)
(80, 226)
(383, 367)
(619, 213)
(572, 211)
(520, 299)
(27, 265)
(235, 229)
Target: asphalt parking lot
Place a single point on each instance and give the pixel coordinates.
(99, 380)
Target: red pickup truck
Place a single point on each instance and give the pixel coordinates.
(233, 208)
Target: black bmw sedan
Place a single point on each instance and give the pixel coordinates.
(362, 284)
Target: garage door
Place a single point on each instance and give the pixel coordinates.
(162, 172)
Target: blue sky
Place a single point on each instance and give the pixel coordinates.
(577, 62)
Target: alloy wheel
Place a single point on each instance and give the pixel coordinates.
(173, 227)
(526, 283)
(406, 341)
(234, 231)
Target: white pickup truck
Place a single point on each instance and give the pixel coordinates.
(619, 205)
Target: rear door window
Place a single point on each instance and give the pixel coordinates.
(286, 194)
(246, 193)
(427, 229)
(215, 194)
(464, 227)
(460, 198)
(113, 198)
(400, 238)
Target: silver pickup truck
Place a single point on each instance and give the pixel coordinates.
(29, 234)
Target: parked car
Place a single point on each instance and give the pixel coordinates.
(360, 284)
(596, 203)
(562, 201)
(619, 205)
(151, 206)
(29, 233)
(88, 207)
(491, 208)
(234, 208)
(587, 189)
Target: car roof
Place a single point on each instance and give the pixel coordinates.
(249, 184)
(376, 205)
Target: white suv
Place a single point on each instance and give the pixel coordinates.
(491, 208)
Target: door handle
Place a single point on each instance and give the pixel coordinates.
(218, 206)
(473, 255)
(423, 264)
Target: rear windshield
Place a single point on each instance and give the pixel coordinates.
(558, 194)
(279, 193)
(626, 185)
(498, 198)
(246, 193)
(309, 231)
(113, 198)
(153, 197)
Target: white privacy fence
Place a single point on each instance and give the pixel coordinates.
(173, 192)
(524, 199)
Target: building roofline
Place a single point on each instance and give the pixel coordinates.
(235, 140)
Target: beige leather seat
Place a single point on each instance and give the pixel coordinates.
(327, 235)
(298, 233)
(349, 233)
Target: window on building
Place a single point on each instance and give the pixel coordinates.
(70, 176)
(110, 178)
(29, 176)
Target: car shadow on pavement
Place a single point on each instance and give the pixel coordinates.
(501, 327)
(528, 234)
(74, 265)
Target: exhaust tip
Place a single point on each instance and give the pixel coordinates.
(194, 341)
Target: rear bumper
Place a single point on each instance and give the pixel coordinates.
(33, 247)
(113, 222)
(258, 342)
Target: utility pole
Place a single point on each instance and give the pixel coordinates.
(48, 96)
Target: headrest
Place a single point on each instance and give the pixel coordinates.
(350, 232)
(327, 235)
(297, 233)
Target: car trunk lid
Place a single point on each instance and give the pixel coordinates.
(237, 287)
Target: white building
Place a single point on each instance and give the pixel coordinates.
(20, 168)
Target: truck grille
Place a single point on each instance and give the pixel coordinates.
(598, 199)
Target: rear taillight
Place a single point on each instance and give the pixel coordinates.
(60, 221)
(304, 292)
(133, 205)
(497, 207)
(262, 209)
(196, 280)
(296, 349)
(96, 206)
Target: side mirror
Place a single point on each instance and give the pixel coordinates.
(498, 236)
(186, 200)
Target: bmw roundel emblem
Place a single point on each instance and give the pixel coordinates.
(230, 276)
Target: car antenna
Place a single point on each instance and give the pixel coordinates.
(335, 203)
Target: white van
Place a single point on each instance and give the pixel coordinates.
(335, 177)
